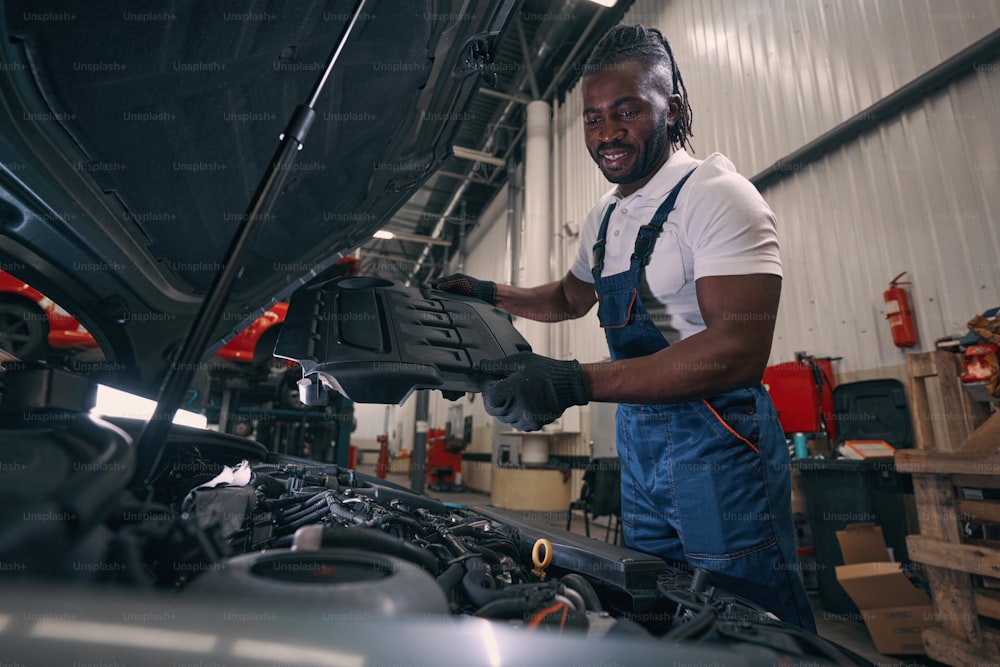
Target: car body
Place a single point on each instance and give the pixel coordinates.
(251, 344)
(131, 140)
(29, 321)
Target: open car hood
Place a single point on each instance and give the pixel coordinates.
(132, 138)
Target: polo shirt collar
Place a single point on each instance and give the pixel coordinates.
(664, 179)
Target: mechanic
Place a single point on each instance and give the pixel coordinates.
(681, 258)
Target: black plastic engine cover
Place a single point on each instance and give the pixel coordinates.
(375, 341)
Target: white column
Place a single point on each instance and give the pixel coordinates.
(537, 246)
(537, 243)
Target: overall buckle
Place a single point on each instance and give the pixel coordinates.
(644, 242)
(597, 256)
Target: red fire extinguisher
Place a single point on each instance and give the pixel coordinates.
(897, 311)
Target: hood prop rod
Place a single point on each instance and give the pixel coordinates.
(152, 440)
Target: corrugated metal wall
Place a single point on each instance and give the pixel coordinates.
(919, 194)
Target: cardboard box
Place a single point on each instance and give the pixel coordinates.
(893, 609)
(897, 630)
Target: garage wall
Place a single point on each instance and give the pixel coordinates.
(918, 194)
(487, 258)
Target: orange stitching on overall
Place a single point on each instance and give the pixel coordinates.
(730, 428)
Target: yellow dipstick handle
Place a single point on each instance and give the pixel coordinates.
(537, 559)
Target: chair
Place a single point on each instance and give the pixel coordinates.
(600, 496)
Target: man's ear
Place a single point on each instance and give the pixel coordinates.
(673, 109)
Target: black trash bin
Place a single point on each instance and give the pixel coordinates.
(840, 492)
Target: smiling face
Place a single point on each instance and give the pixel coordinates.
(626, 116)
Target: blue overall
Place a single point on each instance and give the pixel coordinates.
(704, 482)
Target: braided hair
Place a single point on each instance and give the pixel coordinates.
(624, 44)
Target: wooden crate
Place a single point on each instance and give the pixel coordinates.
(963, 451)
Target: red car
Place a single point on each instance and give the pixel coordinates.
(31, 323)
(256, 343)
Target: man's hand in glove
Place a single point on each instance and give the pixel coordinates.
(459, 283)
(534, 391)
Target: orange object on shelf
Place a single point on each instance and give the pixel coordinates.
(980, 363)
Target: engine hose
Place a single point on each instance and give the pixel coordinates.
(506, 548)
(280, 503)
(451, 577)
(560, 597)
(308, 503)
(480, 595)
(505, 608)
(376, 540)
(299, 512)
(574, 598)
(579, 584)
(305, 520)
(488, 553)
(454, 545)
(398, 518)
(268, 467)
(317, 508)
(703, 622)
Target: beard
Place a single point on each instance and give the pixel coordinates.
(647, 157)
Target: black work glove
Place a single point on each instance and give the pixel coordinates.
(534, 391)
(459, 283)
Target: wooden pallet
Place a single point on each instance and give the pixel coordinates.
(936, 395)
(958, 446)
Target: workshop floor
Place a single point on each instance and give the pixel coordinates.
(850, 634)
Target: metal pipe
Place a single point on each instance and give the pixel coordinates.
(594, 20)
(418, 462)
(489, 92)
(549, 35)
(464, 153)
(513, 249)
(152, 439)
(526, 57)
(914, 92)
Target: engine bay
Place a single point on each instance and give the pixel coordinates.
(222, 519)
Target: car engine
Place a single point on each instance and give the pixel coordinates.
(222, 518)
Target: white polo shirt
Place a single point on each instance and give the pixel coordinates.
(720, 226)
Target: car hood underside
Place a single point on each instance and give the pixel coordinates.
(132, 138)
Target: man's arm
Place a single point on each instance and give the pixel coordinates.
(564, 299)
(732, 352)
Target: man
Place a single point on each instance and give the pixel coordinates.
(682, 260)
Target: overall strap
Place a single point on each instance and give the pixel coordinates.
(646, 238)
(597, 252)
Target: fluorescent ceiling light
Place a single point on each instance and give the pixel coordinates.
(605, 3)
(386, 235)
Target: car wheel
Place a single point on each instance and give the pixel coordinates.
(24, 330)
